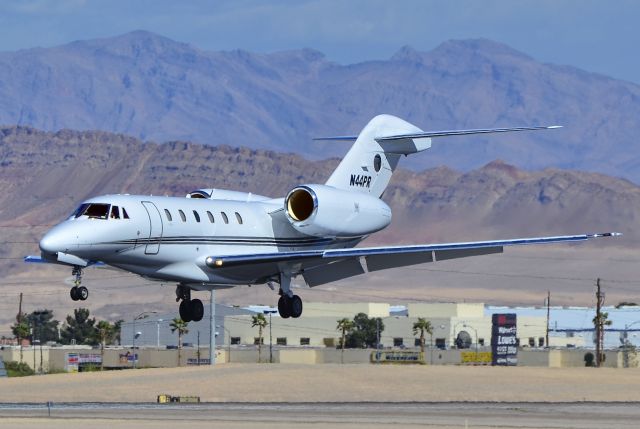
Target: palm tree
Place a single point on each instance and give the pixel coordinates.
(21, 330)
(179, 325)
(259, 321)
(345, 325)
(106, 333)
(422, 326)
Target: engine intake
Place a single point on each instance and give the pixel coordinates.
(325, 211)
(301, 203)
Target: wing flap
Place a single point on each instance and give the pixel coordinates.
(333, 271)
(443, 255)
(383, 262)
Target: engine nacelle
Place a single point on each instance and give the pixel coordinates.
(325, 211)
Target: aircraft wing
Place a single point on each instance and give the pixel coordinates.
(325, 266)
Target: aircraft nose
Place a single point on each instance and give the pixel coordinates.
(52, 242)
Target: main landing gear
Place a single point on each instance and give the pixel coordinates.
(190, 309)
(289, 305)
(78, 292)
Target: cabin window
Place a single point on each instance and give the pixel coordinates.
(239, 218)
(182, 216)
(210, 216)
(196, 215)
(125, 215)
(224, 217)
(115, 212)
(167, 213)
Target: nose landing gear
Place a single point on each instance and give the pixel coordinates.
(78, 292)
(190, 309)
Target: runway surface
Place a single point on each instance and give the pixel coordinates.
(323, 415)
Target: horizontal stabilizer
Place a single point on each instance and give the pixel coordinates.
(430, 134)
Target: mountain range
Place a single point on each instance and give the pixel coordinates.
(156, 89)
(44, 175)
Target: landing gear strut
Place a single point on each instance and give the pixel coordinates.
(78, 292)
(289, 305)
(190, 309)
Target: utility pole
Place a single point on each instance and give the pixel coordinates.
(19, 319)
(546, 340)
(598, 324)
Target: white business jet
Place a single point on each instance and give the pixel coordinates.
(218, 239)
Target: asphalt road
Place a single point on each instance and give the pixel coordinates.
(323, 415)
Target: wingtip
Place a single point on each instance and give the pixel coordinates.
(554, 127)
(606, 234)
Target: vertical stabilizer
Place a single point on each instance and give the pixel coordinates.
(369, 164)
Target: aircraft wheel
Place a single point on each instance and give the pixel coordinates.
(185, 310)
(295, 305)
(196, 309)
(283, 307)
(82, 293)
(73, 293)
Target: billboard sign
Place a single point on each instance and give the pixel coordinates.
(504, 339)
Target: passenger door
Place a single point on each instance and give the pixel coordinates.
(155, 228)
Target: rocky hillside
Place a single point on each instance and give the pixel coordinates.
(44, 175)
(154, 88)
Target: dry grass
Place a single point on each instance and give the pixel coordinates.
(331, 383)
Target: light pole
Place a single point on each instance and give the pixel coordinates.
(158, 333)
(38, 316)
(431, 344)
(138, 317)
(378, 340)
(270, 312)
(228, 341)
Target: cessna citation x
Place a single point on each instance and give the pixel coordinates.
(218, 239)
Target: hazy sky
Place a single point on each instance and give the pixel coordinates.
(600, 36)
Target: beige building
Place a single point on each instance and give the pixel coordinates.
(317, 327)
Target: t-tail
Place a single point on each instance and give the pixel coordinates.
(374, 156)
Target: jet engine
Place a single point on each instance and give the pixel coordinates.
(325, 211)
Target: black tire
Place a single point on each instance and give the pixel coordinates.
(295, 306)
(82, 293)
(283, 307)
(73, 293)
(196, 309)
(185, 310)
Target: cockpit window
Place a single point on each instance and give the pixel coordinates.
(94, 211)
(125, 215)
(80, 210)
(115, 212)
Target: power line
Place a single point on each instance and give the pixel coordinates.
(530, 276)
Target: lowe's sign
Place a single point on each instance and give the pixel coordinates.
(504, 339)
